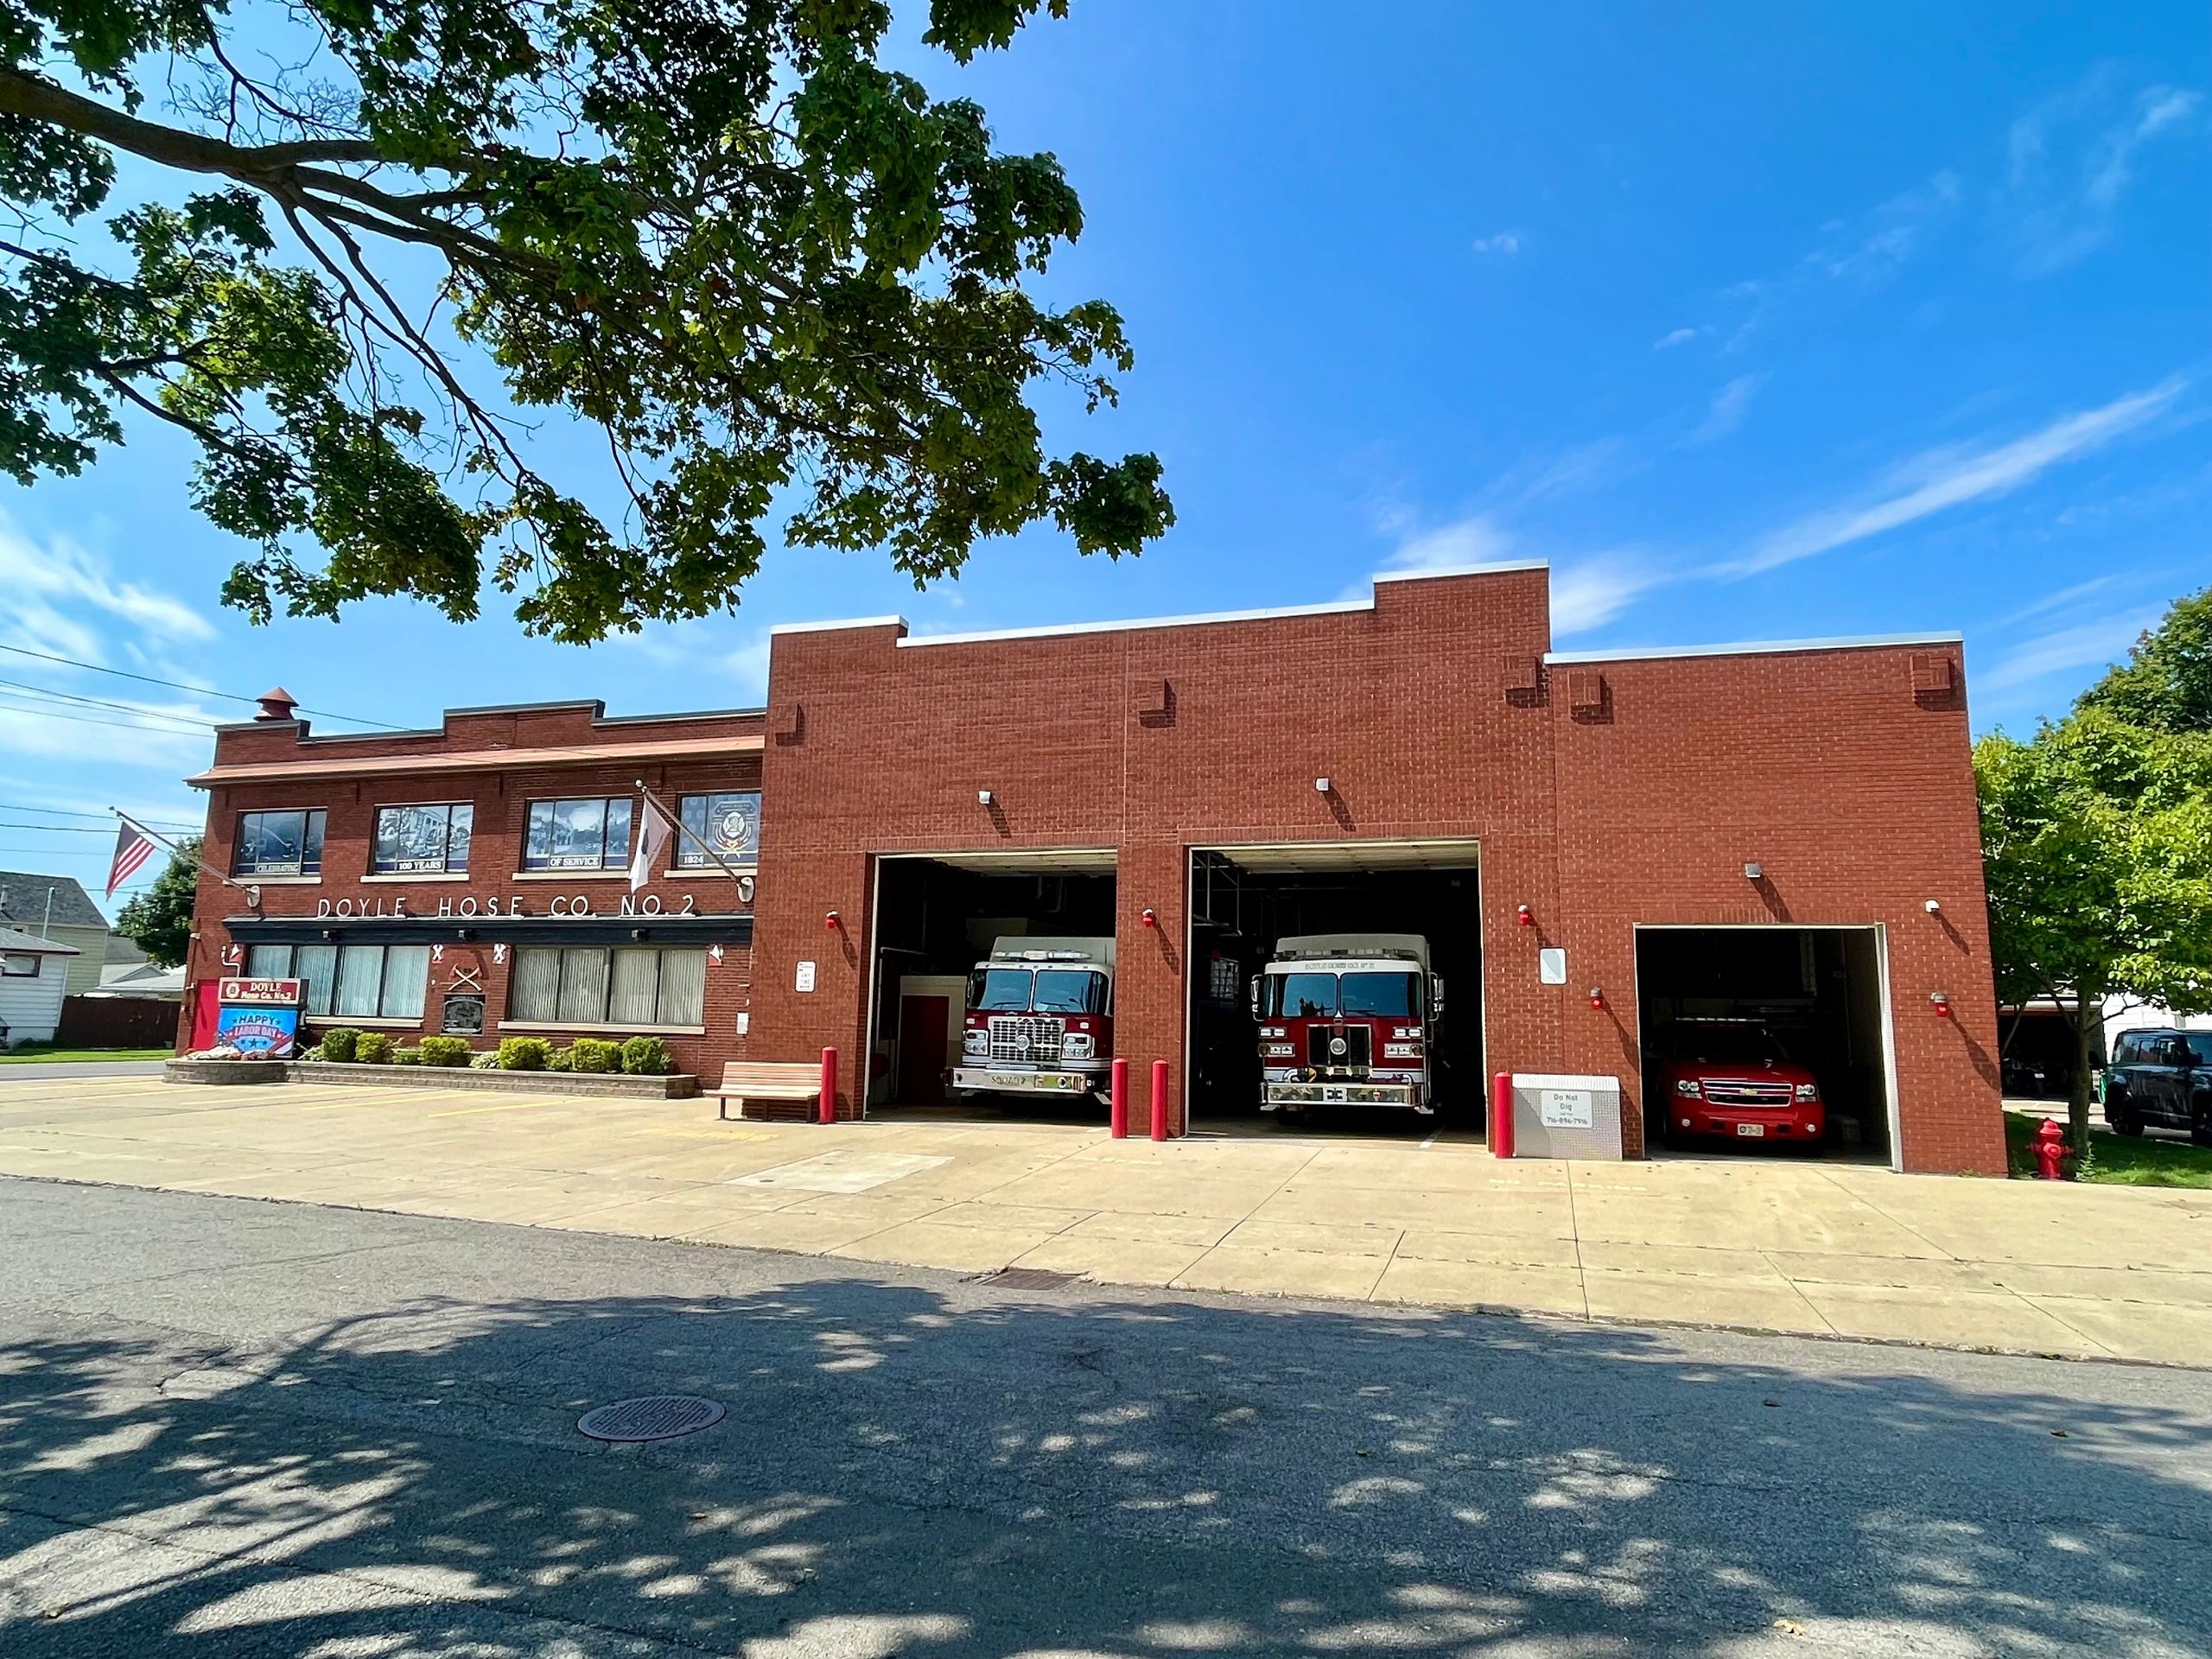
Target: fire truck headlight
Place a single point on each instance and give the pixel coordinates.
(1270, 1031)
(1276, 1051)
(1402, 1050)
(1405, 1031)
(1076, 1045)
(975, 1042)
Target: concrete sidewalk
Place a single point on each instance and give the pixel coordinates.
(1758, 1243)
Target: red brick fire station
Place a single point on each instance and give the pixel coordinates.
(1601, 849)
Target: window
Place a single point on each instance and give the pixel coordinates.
(2129, 1053)
(350, 982)
(421, 839)
(592, 834)
(19, 964)
(729, 823)
(2200, 1045)
(999, 991)
(1307, 996)
(1070, 990)
(1387, 996)
(591, 985)
(279, 843)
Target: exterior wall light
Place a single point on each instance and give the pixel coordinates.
(833, 921)
(1528, 915)
(982, 798)
(1941, 1003)
(1320, 785)
(1597, 997)
(1150, 918)
(1754, 872)
(1933, 908)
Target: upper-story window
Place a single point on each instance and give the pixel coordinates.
(289, 843)
(587, 835)
(422, 840)
(729, 823)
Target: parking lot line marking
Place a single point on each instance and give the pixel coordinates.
(514, 1106)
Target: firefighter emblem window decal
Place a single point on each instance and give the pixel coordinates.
(730, 823)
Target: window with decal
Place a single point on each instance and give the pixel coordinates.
(578, 835)
(593, 985)
(422, 840)
(353, 982)
(729, 824)
(289, 843)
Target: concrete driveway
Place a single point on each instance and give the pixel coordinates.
(1760, 1243)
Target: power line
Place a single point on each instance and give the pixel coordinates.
(50, 693)
(197, 690)
(109, 818)
(88, 720)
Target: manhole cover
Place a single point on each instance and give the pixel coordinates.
(651, 1417)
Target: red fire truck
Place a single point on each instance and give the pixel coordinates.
(1039, 1019)
(1347, 1020)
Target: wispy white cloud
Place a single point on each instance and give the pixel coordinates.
(1502, 244)
(1730, 404)
(1953, 477)
(2070, 162)
(1872, 248)
(45, 582)
(1675, 337)
(1587, 589)
(2086, 644)
(1476, 539)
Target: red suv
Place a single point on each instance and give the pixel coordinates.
(1733, 1077)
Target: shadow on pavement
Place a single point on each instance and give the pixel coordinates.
(943, 1472)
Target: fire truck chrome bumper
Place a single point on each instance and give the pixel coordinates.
(1335, 1094)
(987, 1081)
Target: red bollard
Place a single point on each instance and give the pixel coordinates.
(1118, 1117)
(1501, 1115)
(2051, 1151)
(829, 1085)
(1160, 1100)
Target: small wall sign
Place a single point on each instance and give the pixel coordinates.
(1564, 1108)
(259, 993)
(804, 980)
(1551, 965)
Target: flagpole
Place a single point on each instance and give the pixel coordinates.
(253, 893)
(683, 828)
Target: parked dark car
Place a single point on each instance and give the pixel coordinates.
(2161, 1079)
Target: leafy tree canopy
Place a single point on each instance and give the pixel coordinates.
(159, 920)
(719, 230)
(2166, 682)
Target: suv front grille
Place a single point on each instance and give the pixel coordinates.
(1025, 1037)
(1358, 1047)
(1744, 1091)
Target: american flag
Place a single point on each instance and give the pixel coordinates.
(133, 846)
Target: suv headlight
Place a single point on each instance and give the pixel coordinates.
(1076, 1045)
(975, 1042)
(1688, 1086)
(1808, 1091)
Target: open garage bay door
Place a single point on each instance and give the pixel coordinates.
(1760, 1037)
(1245, 900)
(936, 918)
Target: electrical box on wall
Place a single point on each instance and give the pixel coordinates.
(1566, 1116)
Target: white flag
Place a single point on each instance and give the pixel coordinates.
(654, 828)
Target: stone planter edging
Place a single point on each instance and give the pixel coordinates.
(602, 1085)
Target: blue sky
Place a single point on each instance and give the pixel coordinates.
(1758, 322)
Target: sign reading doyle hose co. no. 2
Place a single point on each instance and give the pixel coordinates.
(374, 906)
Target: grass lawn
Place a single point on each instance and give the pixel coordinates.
(2116, 1160)
(29, 1055)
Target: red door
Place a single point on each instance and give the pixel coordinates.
(921, 1049)
(204, 1007)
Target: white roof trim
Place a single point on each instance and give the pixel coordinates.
(1500, 568)
(1334, 608)
(848, 622)
(1754, 648)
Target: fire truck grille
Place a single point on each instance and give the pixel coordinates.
(1025, 1037)
(1359, 1043)
(1740, 1091)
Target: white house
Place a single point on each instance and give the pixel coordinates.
(33, 978)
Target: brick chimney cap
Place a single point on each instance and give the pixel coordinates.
(275, 704)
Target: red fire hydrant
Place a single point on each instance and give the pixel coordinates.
(2051, 1151)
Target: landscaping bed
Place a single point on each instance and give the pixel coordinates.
(2114, 1160)
(605, 1084)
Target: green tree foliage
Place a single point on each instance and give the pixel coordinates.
(2165, 684)
(765, 265)
(159, 920)
(2097, 841)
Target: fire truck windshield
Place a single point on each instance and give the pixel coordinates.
(1324, 996)
(1070, 990)
(999, 991)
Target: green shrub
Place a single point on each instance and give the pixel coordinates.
(483, 1059)
(646, 1057)
(525, 1053)
(561, 1059)
(407, 1057)
(373, 1048)
(341, 1043)
(596, 1054)
(445, 1051)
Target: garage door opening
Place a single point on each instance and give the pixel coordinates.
(937, 921)
(1765, 1038)
(1246, 900)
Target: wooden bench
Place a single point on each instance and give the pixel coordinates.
(744, 1080)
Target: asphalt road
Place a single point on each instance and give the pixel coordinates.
(243, 1429)
(34, 1071)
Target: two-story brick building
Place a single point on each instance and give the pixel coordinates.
(1605, 848)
